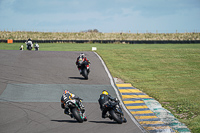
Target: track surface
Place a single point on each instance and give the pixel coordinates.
(31, 84)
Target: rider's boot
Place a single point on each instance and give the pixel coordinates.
(70, 114)
(124, 120)
(104, 116)
(66, 111)
(109, 116)
(80, 71)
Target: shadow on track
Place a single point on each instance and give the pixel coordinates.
(74, 121)
(69, 121)
(80, 78)
(105, 122)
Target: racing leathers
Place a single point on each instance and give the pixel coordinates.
(36, 47)
(103, 101)
(80, 60)
(69, 96)
(29, 42)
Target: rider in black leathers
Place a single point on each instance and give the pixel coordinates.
(104, 99)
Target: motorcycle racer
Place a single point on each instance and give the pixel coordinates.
(70, 96)
(81, 58)
(29, 42)
(21, 47)
(105, 99)
(36, 46)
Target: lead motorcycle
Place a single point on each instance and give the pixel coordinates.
(29, 45)
(115, 112)
(75, 110)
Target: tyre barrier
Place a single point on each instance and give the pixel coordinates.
(111, 41)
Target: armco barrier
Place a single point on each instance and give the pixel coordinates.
(111, 41)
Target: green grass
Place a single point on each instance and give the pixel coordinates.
(170, 73)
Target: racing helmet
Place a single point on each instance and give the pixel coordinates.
(105, 92)
(67, 92)
(82, 55)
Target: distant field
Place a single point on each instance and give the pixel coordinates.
(170, 73)
(4, 35)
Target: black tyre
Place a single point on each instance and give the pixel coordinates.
(77, 115)
(29, 47)
(116, 117)
(85, 73)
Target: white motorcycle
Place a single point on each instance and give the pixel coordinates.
(36, 46)
(29, 45)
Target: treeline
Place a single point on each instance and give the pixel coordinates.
(96, 35)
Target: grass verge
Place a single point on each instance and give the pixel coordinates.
(170, 73)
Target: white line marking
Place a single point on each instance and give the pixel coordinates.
(116, 90)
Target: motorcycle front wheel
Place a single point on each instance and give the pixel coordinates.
(77, 115)
(116, 117)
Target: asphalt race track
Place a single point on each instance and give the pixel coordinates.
(31, 84)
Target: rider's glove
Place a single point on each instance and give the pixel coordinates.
(116, 99)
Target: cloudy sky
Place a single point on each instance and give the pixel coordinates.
(163, 16)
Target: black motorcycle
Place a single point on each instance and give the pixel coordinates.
(115, 112)
(85, 69)
(75, 110)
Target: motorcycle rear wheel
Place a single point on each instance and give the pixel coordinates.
(77, 115)
(85, 73)
(29, 47)
(116, 117)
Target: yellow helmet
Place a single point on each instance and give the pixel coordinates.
(105, 92)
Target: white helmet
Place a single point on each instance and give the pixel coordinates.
(82, 55)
